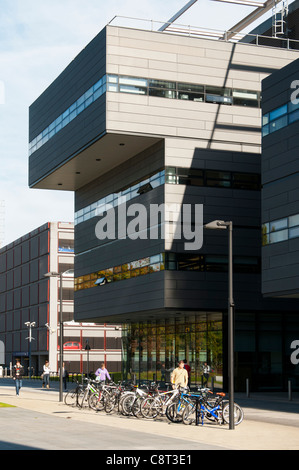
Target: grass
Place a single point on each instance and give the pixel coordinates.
(5, 405)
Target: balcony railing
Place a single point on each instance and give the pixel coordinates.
(195, 31)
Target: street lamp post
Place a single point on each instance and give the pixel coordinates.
(30, 325)
(220, 225)
(54, 274)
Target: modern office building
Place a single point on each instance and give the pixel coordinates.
(280, 179)
(26, 295)
(143, 118)
(280, 202)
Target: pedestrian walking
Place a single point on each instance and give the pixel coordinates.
(46, 375)
(179, 376)
(17, 373)
(102, 373)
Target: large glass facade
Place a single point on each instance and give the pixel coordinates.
(152, 349)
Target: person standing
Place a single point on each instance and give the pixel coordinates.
(206, 373)
(46, 374)
(188, 369)
(179, 376)
(17, 373)
(102, 373)
(65, 376)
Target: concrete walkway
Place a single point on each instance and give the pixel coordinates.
(282, 433)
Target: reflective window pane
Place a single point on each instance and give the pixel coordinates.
(280, 236)
(278, 225)
(276, 113)
(294, 220)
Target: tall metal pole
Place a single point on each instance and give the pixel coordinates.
(61, 341)
(230, 328)
(30, 337)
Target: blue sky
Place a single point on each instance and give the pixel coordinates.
(38, 39)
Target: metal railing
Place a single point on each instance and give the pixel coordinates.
(204, 33)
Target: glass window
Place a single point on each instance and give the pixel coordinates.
(278, 124)
(218, 99)
(294, 116)
(292, 106)
(245, 94)
(132, 89)
(278, 225)
(161, 93)
(162, 84)
(246, 102)
(276, 113)
(216, 263)
(294, 220)
(218, 178)
(191, 87)
(280, 236)
(246, 181)
(112, 87)
(294, 232)
(218, 95)
(265, 119)
(112, 79)
(132, 81)
(265, 130)
(88, 101)
(184, 95)
(246, 98)
(265, 234)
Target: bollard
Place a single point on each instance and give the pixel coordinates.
(247, 388)
(290, 390)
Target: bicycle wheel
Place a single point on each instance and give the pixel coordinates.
(136, 407)
(238, 414)
(110, 403)
(174, 412)
(126, 404)
(70, 398)
(83, 399)
(96, 401)
(189, 414)
(150, 408)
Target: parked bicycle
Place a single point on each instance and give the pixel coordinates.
(72, 397)
(216, 409)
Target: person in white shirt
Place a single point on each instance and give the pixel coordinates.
(206, 373)
(46, 375)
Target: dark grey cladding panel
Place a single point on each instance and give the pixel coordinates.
(226, 160)
(83, 72)
(280, 154)
(276, 88)
(124, 297)
(108, 253)
(83, 130)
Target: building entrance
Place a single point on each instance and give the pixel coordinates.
(152, 349)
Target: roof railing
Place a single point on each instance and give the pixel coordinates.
(195, 31)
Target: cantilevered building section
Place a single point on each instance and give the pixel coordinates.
(153, 117)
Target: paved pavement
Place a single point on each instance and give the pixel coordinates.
(37, 420)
